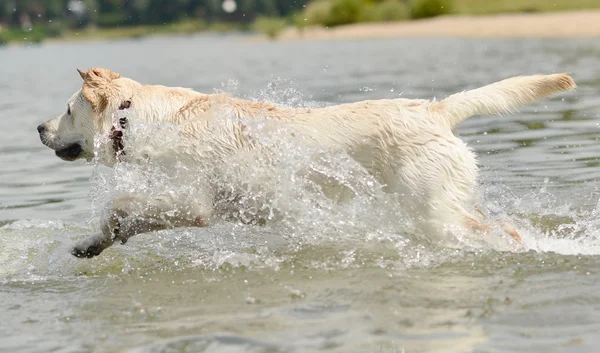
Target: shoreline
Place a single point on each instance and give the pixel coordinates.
(567, 24)
(581, 23)
(182, 28)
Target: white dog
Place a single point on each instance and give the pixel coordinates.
(407, 145)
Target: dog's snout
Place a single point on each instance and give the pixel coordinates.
(41, 128)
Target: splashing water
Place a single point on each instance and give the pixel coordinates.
(357, 225)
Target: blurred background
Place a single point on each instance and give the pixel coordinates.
(37, 20)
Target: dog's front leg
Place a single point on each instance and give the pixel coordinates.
(131, 215)
(93, 245)
(118, 228)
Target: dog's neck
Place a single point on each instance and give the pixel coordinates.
(153, 110)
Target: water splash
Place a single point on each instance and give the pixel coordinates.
(351, 224)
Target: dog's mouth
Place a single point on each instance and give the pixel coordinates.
(69, 153)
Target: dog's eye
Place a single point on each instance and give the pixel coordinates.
(68, 110)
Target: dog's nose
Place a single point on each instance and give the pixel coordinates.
(41, 128)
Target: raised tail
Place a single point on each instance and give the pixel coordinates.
(503, 97)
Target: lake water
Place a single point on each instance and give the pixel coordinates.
(342, 279)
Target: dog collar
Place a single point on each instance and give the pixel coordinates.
(116, 132)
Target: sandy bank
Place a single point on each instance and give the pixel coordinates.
(585, 23)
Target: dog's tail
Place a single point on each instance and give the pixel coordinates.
(502, 97)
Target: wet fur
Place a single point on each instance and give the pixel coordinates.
(408, 145)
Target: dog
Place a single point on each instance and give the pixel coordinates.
(408, 145)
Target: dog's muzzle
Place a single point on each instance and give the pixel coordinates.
(69, 153)
(42, 131)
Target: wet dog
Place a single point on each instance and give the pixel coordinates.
(408, 145)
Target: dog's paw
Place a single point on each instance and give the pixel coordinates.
(91, 246)
(86, 251)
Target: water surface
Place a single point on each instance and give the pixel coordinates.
(334, 278)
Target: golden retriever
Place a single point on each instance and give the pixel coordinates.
(408, 145)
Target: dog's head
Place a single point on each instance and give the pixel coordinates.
(89, 112)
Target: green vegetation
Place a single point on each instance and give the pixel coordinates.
(317, 12)
(479, 7)
(36, 20)
(430, 8)
(182, 27)
(344, 12)
(35, 35)
(386, 11)
(270, 26)
(332, 13)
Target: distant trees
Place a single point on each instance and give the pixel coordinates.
(110, 13)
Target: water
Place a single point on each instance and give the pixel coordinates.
(339, 278)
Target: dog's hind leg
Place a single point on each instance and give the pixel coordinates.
(133, 214)
(506, 227)
(510, 230)
(479, 226)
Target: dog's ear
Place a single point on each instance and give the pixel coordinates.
(97, 85)
(98, 72)
(101, 73)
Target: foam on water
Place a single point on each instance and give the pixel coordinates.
(548, 223)
(303, 224)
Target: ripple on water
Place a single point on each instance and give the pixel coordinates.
(349, 278)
